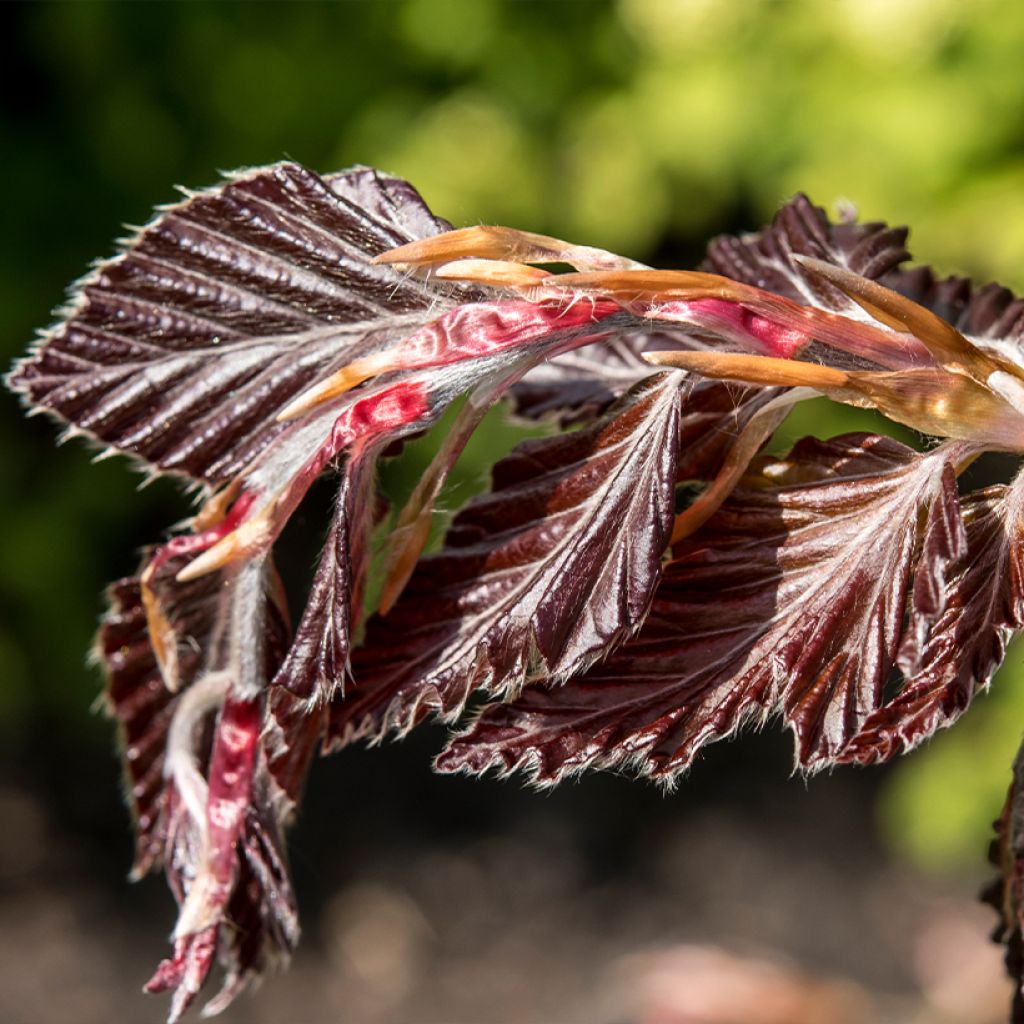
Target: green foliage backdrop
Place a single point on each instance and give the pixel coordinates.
(641, 125)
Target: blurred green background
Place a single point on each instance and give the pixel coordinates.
(641, 125)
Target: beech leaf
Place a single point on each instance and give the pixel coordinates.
(790, 601)
(182, 349)
(765, 258)
(966, 641)
(538, 578)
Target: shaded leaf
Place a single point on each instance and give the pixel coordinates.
(790, 600)
(261, 917)
(314, 669)
(202, 859)
(714, 415)
(318, 656)
(1006, 893)
(411, 530)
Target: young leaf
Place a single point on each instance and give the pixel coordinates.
(233, 860)
(182, 349)
(765, 259)
(137, 695)
(791, 600)
(538, 578)
(956, 653)
(202, 860)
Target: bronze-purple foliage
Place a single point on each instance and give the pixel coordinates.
(284, 326)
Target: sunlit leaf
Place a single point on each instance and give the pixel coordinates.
(183, 348)
(538, 578)
(956, 653)
(790, 601)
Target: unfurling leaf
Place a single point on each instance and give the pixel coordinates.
(228, 871)
(629, 589)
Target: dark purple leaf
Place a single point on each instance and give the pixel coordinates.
(202, 859)
(538, 578)
(182, 349)
(580, 384)
(764, 259)
(990, 315)
(230, 878)
(261, 916)
(791, 600)
(964, 644)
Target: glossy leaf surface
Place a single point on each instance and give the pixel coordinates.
(790, 601)
(182, 349)
(616, 612)
(550, 570)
